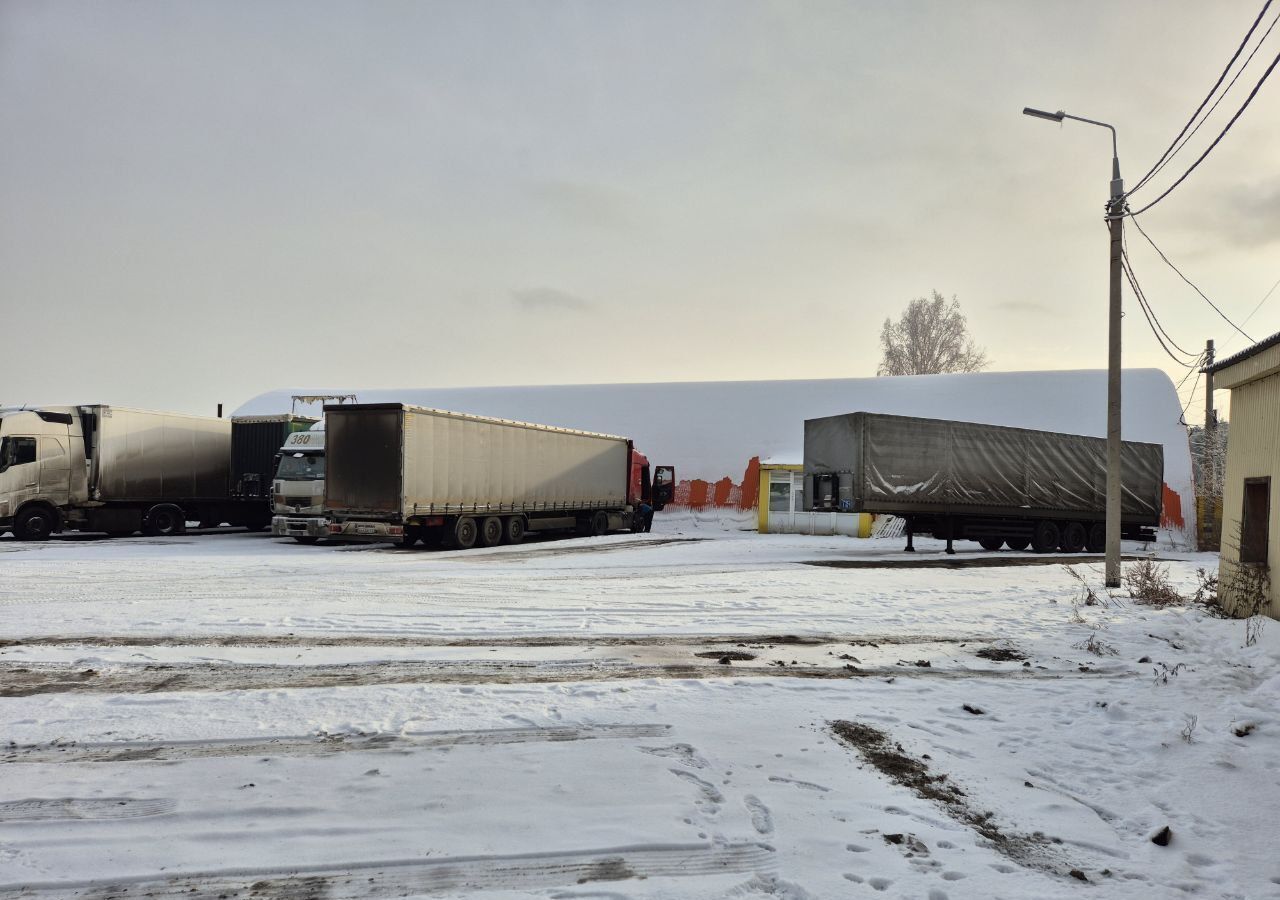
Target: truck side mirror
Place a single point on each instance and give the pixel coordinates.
(664, 485)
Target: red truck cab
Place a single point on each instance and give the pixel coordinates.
(658, 490)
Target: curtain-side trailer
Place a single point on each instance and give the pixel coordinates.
(116, 470)
(987, 483)
(405, 473)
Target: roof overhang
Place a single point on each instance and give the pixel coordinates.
(1259, 361)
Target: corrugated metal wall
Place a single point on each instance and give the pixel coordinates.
(456, 462)
(1253, 451)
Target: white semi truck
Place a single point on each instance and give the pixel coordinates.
(116, 470)
(298, 490)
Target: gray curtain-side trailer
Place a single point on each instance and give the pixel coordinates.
(988, 483)
(117, 470)
(404, 473)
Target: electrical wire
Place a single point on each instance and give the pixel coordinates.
(1246, 319)
(1202, 294)
(1216, 103)
(1183, 418)
(1156, 329)
(1170, 152)
(1153, 320)
(1142, 298)
(1183, 177)
(1199, 362)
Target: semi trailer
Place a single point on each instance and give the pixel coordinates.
(116, 470)
(405, 473)
(1014, 487)
(256, 444)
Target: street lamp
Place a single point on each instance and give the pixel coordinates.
(1115, 218)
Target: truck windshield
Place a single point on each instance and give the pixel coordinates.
(301, 466)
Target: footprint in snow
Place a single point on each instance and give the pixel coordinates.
(709, 791)
(761, 818)
(682, 753)
(807, 785)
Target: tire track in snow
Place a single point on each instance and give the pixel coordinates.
(30, 679)
(36, 809)
(551, 640)
(361, 880)
(318, 745)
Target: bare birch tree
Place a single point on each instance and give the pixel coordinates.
(931, 338)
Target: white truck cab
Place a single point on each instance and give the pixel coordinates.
(298, 488)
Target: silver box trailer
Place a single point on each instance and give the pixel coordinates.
(403, 473)
(138, 455)
(110, 468)
(988, 483)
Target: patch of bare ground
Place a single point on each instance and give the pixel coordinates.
(1001, 654)
(890, 759)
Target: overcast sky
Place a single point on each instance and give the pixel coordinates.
(200, 201)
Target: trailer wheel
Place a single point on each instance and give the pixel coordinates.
(465, 533)
(163, 520)
(1074, 537)
(490, 532)
(990, 543)
(35, 523)
(515, 530)
(1097, 541)
(1046, 537)
(599, 524)
(1018, 543)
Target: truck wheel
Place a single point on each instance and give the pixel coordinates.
(490, 532)
(1074, 537)
(164, 520)
(990, 543)
(599, 524)
(465, 533)
(1097, 541)
(1018, 543)
(34, 524)
(515, 530)
(1046, 537)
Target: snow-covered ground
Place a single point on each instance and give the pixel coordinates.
(231, 715)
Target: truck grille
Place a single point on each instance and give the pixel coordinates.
(298, 501)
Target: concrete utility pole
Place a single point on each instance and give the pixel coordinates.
(1210, 417)
(1115, 219)
(1208, 462)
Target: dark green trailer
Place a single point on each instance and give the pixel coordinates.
(255, 450)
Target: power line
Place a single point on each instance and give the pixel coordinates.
(1260, 302)
(1183, 177)
(1142, 298)
(1199, 359)
(1170, 151)
(1156, 328)
(1194, 385)
(1168, 262)
(1232, 83)
(1254, 312)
